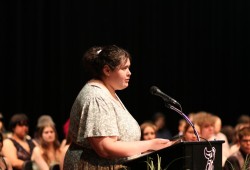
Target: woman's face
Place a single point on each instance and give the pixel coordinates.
(148, 133)
(190, 135)
(21, 129)
(48, 134)
(119, 78)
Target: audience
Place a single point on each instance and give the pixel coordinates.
(65, 142)
(4, 162)
(2, 127)
(243, 119)
(43, 119)
(19, 146)
(181, 126)
(218, 135)
(3, 130)
(206, 121)
(162, 131)
(66, 128)
(238, 160)
(188, 133)
(48, 153)
(191, 116)
(45, 150)
(229, 131)
(236, 145)
(63, 152)
(148, 130)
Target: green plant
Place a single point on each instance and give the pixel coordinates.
(150, 163)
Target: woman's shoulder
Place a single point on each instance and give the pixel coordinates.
(92, 90)
(92, 87)
(8, 142)
(37, 150)
(36, 153)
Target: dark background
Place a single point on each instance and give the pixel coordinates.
(196, 52)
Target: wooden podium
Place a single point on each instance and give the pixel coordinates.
(200, 155)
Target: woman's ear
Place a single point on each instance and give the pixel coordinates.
(106, 70)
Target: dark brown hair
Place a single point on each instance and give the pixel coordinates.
(96, 58)
(18, 118)
(244, 132)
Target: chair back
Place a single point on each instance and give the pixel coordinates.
(28, 165)
(54, 167)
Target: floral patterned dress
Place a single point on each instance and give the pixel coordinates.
(96, 113)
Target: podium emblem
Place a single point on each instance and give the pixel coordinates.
(210, 156)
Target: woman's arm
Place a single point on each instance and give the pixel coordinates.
(9, 166)
(109, 147)
(62, 155)
(38, 159)
(10, 152)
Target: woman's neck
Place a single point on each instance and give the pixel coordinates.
(105, 85)
(110, 90)
(18, 138)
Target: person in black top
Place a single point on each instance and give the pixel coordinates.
(18, 148)
(240, 160)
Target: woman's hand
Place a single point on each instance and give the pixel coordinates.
(159, 143)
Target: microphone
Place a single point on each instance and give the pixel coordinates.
(169, 101)
(156, 91)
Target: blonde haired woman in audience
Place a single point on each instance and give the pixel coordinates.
(48, 153)
(148, 130)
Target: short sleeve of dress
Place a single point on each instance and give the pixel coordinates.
(100, 118)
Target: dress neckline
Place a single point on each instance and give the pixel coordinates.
(102, 86)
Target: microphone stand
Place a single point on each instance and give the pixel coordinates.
(185, 117)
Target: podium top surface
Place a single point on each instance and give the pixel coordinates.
(177, 145)
(182, 155)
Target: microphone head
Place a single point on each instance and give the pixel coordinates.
(154, 90)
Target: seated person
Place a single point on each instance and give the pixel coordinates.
(188, 133)
(48, 152)
(207, 121)
(4, 162)
(40, 122)
(160, 122)
(148, 130)
(238, 160)
(18, 147)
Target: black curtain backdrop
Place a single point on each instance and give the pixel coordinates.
(196, 52)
